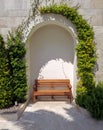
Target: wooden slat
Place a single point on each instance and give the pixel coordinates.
(52, 85)
(52, 81)
(51, 92)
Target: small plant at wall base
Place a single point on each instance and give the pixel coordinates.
(86, 54)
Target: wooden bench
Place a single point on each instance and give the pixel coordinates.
(52, 83)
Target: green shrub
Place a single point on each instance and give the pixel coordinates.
(13, 84)
(81, 96)
(95, 102)
(18, 68)
(92, 101)
(5, 78)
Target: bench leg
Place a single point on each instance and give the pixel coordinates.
(70, 97)
(70, 100)
(35, 98)
(52, 97)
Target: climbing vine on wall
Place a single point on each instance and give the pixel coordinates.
(86, 51)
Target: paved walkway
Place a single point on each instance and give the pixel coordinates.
(52, 116)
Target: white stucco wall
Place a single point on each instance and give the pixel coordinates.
(51, 54)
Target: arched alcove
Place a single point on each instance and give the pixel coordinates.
(51, 54)
(51, 50)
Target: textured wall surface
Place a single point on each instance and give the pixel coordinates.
(92, 10)
(12, 13)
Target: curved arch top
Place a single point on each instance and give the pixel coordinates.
(45, 19)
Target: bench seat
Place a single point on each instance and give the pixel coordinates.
(52, 84)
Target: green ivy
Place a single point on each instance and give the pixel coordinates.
(86, 51)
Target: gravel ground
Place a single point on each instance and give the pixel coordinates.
(52, 116)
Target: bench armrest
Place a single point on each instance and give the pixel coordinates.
(34, 87)
(69, 86)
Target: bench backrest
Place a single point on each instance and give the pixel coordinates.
(52, 82)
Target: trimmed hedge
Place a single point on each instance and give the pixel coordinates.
(17, 53)
(13, 84)
(5, 77)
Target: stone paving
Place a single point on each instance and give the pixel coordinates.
(52, 116)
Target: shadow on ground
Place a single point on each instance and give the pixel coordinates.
(52, 116)
(62, 119)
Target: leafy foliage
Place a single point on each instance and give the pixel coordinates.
(5, 78)
(18, 68)
(13, 85)
(86, 54)
(81, 95)
(93, 101)
(95, 104)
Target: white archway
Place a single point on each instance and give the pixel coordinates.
(49, 63)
